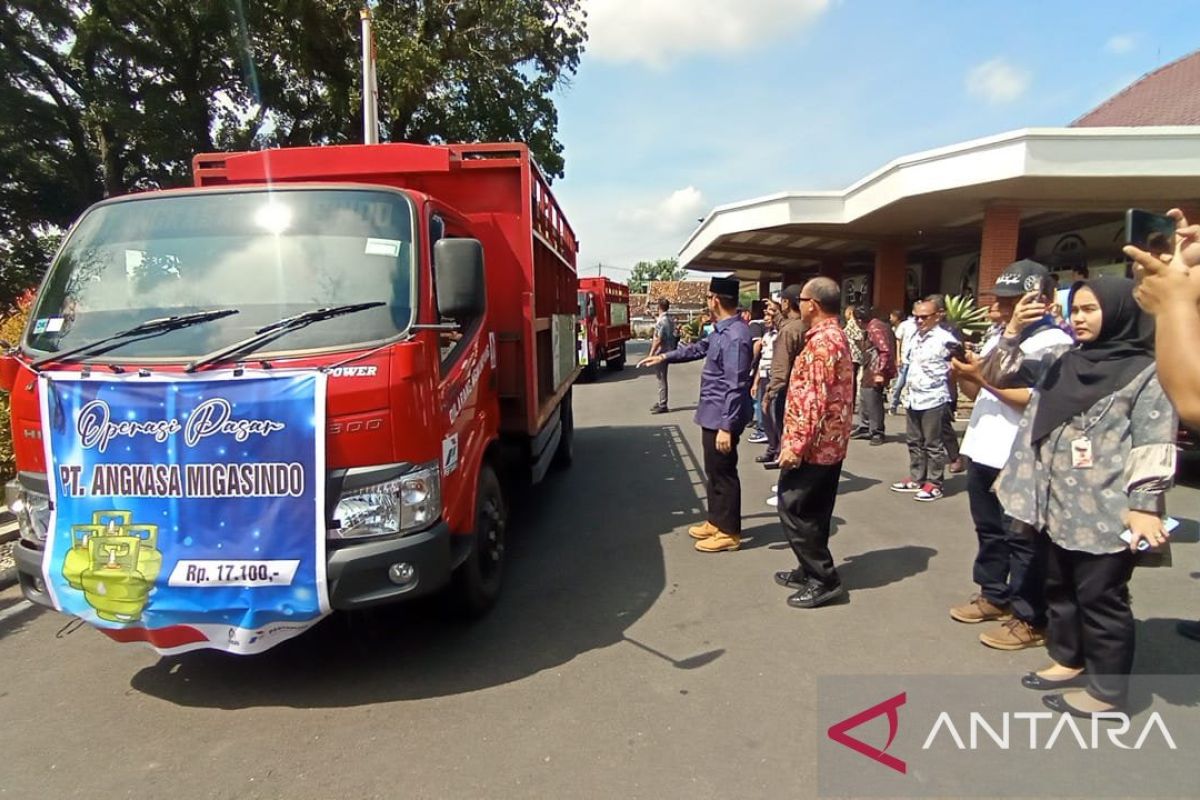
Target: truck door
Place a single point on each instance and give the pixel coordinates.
(467, 358)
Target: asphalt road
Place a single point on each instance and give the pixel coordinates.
(620, 662)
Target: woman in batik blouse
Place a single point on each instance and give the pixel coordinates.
(1093, 460)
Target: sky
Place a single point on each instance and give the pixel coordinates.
(680, 106)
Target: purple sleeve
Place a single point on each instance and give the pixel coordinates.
(689, 352)
(736, 355)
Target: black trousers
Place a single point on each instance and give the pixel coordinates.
(724, 486)
(1010, 567)
(871, 400)
(1090, 618)
(949, 435)
(806, 498)
(926, 455)
(773, 417)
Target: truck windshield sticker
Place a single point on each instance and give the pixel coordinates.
(187, 510)
(382, 247)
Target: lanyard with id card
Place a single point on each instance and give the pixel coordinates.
(1081, 446)
(1081, 453)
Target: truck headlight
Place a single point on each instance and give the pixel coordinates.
(408, 503)
(32, 510)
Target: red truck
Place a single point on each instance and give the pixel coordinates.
(603, 324)
(434, 286)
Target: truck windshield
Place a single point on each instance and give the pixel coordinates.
(268, 253)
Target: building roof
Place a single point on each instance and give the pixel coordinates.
(684, 294)
(934, 201)
(1168, 96)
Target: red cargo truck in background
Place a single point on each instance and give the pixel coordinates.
(603, 324)
(455, 379)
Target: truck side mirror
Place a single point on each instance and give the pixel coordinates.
(458, 270)
(9, 367)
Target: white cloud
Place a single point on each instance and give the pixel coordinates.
(1121, 43)
(997, 81)
(675, 215)
(618, 231)
(658, 32)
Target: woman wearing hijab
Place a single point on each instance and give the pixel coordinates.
(1094, 457)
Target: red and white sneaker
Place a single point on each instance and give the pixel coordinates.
(929, 492)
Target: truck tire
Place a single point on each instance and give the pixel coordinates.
(618, 363)
(565, 454)
(589, 373)
(477, 581)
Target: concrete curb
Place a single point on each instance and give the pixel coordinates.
(8, 577)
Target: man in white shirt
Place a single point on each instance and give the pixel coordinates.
(904, 333)
(1008, 566)
(927, 355)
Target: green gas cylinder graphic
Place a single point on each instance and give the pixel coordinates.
(114, 562)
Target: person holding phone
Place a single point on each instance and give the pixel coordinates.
(1095, 455)
(1009, 566)
(1168, 287)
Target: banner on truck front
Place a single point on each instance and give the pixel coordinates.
(188, 511)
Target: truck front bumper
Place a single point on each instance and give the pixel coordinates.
(358, 573)
(29, 574)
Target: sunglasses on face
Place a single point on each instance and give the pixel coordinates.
(922, 316)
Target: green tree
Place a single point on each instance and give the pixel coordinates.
(664, 269)
(105, 97)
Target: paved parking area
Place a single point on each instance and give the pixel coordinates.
(620, 662)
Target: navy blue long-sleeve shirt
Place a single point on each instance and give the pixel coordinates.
(725, 381)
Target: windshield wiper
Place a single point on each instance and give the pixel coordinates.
(149, 327)
(273, 331)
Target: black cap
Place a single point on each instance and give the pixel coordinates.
(1020, 277)
(792, 293)
(726, 287)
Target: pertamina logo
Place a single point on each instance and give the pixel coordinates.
(839, 732)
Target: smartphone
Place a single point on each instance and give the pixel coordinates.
(1154, 233)
(1169, 524)
(957, 351)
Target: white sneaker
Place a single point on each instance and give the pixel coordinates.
(773, 502)
(775, 489)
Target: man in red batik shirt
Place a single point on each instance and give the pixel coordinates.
(816, 432)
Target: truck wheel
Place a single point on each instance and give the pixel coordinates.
(588, 375)
(617, 363)
(565, 454)
(477, 582)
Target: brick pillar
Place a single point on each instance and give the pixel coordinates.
(891, 262)
(998, 246)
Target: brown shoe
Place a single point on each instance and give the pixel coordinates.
(980, 609)
(1016, 634)
(703, 530)
(721, 541)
